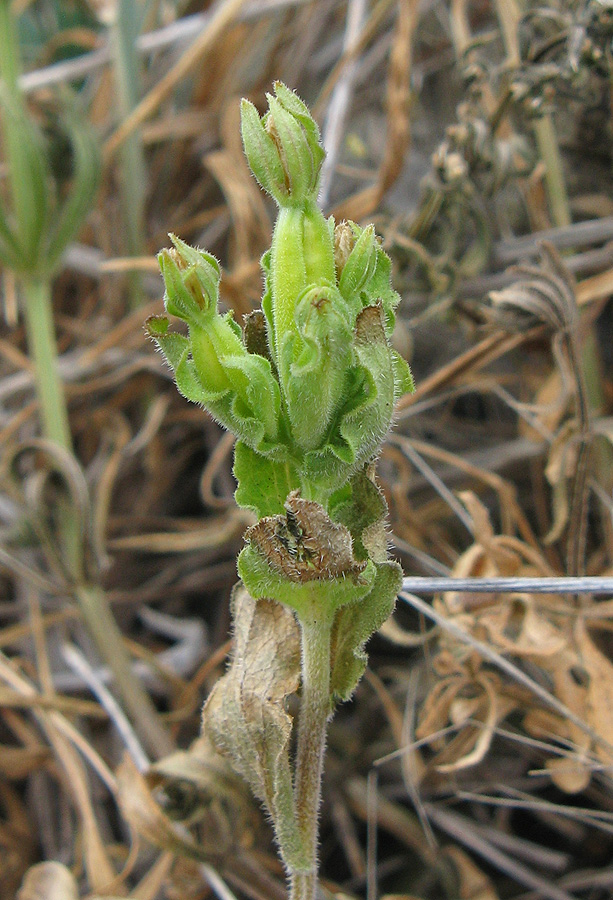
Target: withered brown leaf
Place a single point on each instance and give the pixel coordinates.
(305, 544)
(245, 715)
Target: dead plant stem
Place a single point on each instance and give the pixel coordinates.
(549, 152)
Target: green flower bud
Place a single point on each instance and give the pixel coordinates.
(313, 363)
(262, 154)
(302, 254)
(283, 148)
(212, 366)
(192, 282)
(360, 265)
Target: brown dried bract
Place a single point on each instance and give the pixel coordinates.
(305, 544)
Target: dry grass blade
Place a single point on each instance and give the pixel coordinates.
(224, 14)
(459, 828)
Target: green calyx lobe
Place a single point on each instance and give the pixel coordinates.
(308, 387)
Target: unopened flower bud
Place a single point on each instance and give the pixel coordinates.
(192, 281)
(283, 148)
(360, 265)
(344, 242)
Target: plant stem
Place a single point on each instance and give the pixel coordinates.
(43, 350)
(18, 175)
(93, 604)
(549, 151)
(132, 163)
(314, 714)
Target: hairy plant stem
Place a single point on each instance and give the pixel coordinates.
(312, 726)
(90, 597)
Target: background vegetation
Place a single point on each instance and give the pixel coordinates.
(477, 136)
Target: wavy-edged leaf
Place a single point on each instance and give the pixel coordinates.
(378, 289)
(361, 507)
(304, 560)
(365, 425)
(313, 363)
(354, 625)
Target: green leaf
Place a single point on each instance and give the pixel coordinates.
(360, 266)
(354, 625)
(174, 346)
(378, 289)
(366, 422)
(403, 377)
(263, 483)
(189, 384)
(257, 391)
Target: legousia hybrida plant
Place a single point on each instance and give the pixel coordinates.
(308, 387)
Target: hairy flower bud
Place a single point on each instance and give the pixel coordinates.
(360, 265)
(283, 148)
(212, 365)
(192, 281)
